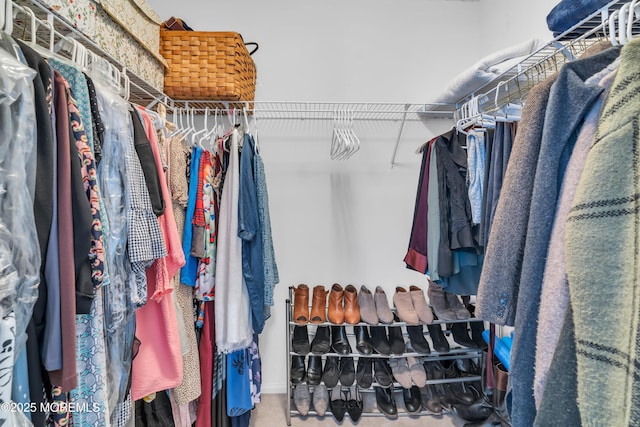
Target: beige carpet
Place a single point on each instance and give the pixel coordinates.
(272, 412)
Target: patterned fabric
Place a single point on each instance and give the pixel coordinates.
(198, 215)
(91, 362)
(90, 181)
(271, 276)
(255, 370)
(205, 282)
(98, 124)
(145, 240)
(219, 372)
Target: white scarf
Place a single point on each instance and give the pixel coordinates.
(233, 312)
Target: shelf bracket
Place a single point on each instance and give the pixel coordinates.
(395, 149)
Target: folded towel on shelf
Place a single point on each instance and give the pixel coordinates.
(486, 70)
(568, 13)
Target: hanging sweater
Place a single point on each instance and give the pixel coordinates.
(602, 245)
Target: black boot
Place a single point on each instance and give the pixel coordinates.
(298, 374)
(331, 373)
(458, 390)
(430, 401)
(382, 372)
(321, 343)
(396, 340)
(347, 371)
(412, 399)
(314, 370)
(461, 335)
(300, 341)
(379, 340)
(339, 341)
(364, 372)
(479, 410)
(477, 327)
(418, 342)
(440, 343)
(386, 402)
(363, 341)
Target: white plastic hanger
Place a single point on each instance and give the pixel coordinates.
(612, 28)
(8, 17)
(246, 120)
(622, 23)
(3, 12)
(634, 11)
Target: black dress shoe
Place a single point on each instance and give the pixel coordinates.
(467, 366)
(314, 370)
(338, 405)
(347, 371)
(461, 335)
(379, 340)
(331, 373)
(479, 410)
(363, 341)
(396, 340)
(354, 406)
(412, 399)
(364, 372)
(419, 344)
(321, 343)
(440, 343)
(430, 401)
(494, 420)
(298, 374)
(385, 401)
(382, 372)
(339, 341)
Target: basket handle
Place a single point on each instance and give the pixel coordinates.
(254, 49)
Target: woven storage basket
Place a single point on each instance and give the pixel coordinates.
(207, 66)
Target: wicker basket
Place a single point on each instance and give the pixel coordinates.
(207, 66)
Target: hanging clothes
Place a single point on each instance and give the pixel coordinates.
(558, 138)
(604, 219)
(158, 365)
(231, 293)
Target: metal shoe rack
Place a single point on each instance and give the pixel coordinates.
(370, 408)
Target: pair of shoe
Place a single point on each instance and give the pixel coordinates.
(488, 411)
(446, 305)
(385, 345)
(343, 305)
(321, 343)
(301, 305)
(302, 399)
(374, 308)
(338, 369)
(408, 371)
(340, 406)
(438, 339)
(411, 306)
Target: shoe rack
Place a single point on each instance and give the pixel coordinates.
(370, 410)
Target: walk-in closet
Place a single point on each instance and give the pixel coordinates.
(289, 213)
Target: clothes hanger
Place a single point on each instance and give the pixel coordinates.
(612, 28)
(246, 120)
(8, 17)
(633, 12)
(3, 13)
(195, 137)
(622, 23)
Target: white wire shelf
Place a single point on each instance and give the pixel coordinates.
(300, 110)
(513, 85)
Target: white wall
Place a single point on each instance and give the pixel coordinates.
(349, 222)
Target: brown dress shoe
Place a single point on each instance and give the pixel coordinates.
(301, 304)
(351, 308)
(319, 305)
(335, 313)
